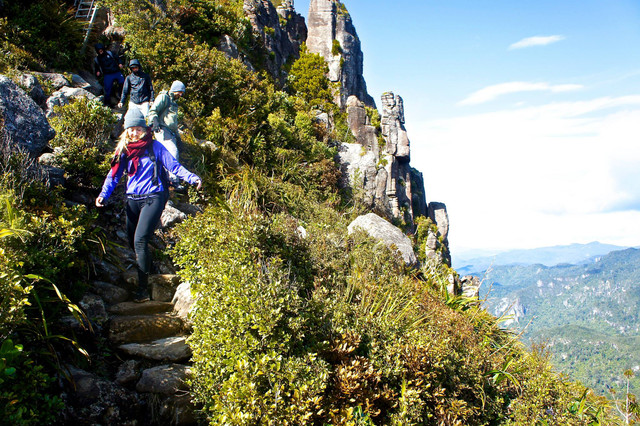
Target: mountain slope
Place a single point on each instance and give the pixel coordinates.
(586, 312)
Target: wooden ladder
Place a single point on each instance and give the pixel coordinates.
(86, 12)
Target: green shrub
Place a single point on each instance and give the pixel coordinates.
(308, 79)
(26, 390)
(82, 129)
(336, 48)
(46, 29)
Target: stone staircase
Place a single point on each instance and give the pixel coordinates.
(146, 344)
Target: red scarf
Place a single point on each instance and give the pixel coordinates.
(134, 151)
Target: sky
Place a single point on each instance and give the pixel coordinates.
(523, 116)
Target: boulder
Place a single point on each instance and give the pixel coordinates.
(128, 372)
(24, 124)
(171, 216)
(63, 97)
(176, 410)
(94, 400)
(384, 231)
(92, 86)
(359, 169)
(94, 307)
(281, 32)
(32, 87)
(470, 286)
(111, 294)
(164, 379)
(54, 175)
(163, 286)
(147, 308)
(105, 270)
(330, 23)
(182, 302)
(437, 212)
(54, 80)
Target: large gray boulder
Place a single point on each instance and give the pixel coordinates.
(389, 234)
(24, 123)
(64, 96)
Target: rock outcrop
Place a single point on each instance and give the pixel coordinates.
(280, 30)
(331, 34)
(377, 166)
(24, 125)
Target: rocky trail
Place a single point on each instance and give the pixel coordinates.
(139, 368)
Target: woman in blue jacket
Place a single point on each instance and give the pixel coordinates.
(143, 159)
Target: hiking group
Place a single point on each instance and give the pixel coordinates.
(147, 152)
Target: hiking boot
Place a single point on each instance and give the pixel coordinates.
(142, 293)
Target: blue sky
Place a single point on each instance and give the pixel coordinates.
(524, 116)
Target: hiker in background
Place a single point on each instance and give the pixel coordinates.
(144, 160)
(138, 85)
(163, 117)
(107, 66)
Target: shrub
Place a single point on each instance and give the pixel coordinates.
(47, 29)
(82, 129)
(308, 79)
(336, 48)
(26, 395)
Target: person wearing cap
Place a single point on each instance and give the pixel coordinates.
(163, 117)
(107, 66)
(144, 160)
(138, 86)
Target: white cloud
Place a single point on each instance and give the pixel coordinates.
(538, 176)
(492, 92)
(536, 41)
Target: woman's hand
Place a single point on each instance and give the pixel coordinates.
(198, 184)
(99, 202)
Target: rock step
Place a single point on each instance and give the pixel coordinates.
(147, 308)
(163, 286)
(144, 328)
(170, 349)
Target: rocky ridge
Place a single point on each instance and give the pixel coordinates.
(333, 35)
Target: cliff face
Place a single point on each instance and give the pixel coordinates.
(282, 30)
(332, 35)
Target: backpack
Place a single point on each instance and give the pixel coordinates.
(159, 172)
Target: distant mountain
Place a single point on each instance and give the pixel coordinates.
(548, 256)
(588, 314)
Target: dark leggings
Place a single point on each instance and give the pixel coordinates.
(143, 216)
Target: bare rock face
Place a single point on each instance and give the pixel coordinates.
(381, 172)
(393, 126)
(24, 125)
(437, 212)
(281, 30)
(332, 35)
